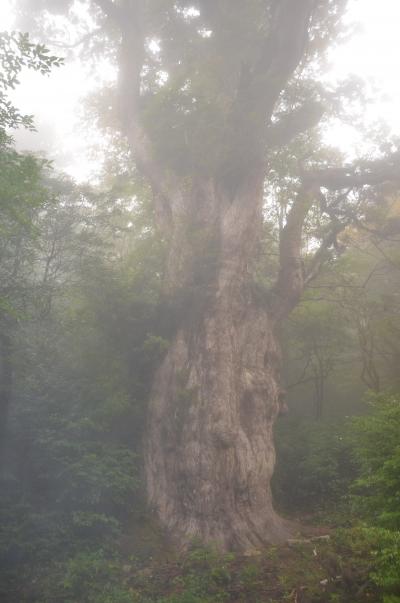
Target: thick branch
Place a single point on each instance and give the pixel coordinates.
(292, 124)
(367, 173)
(261, 84)
(290, 283)
(321, 254)
(132, 56)
(79, 42)
(283, 49)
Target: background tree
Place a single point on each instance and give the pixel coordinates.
(316, 341)
(359, 295)
(21, 195)
(83, 356)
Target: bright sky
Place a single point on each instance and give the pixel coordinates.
(372, 53)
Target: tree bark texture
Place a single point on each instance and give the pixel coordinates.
(210, 453)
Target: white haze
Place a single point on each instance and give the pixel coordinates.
(372, 53)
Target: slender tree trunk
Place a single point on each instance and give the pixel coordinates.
(6, 383)
(319, 387)
(210, 453)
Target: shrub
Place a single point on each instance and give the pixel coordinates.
(374, 553)
(314, 466)
(88, 577)
(376, 445)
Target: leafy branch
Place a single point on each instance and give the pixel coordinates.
(16, 53)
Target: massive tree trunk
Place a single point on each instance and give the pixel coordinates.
(210, 453)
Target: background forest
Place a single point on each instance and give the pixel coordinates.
(84, 326)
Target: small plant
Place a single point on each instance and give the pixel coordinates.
(88, 577)
(250, 573)
(386, 573)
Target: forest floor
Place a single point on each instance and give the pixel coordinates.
(323, 566)
(318, 565)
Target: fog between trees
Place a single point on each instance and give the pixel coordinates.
(155, 328)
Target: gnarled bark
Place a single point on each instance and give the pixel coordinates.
(210, 453)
